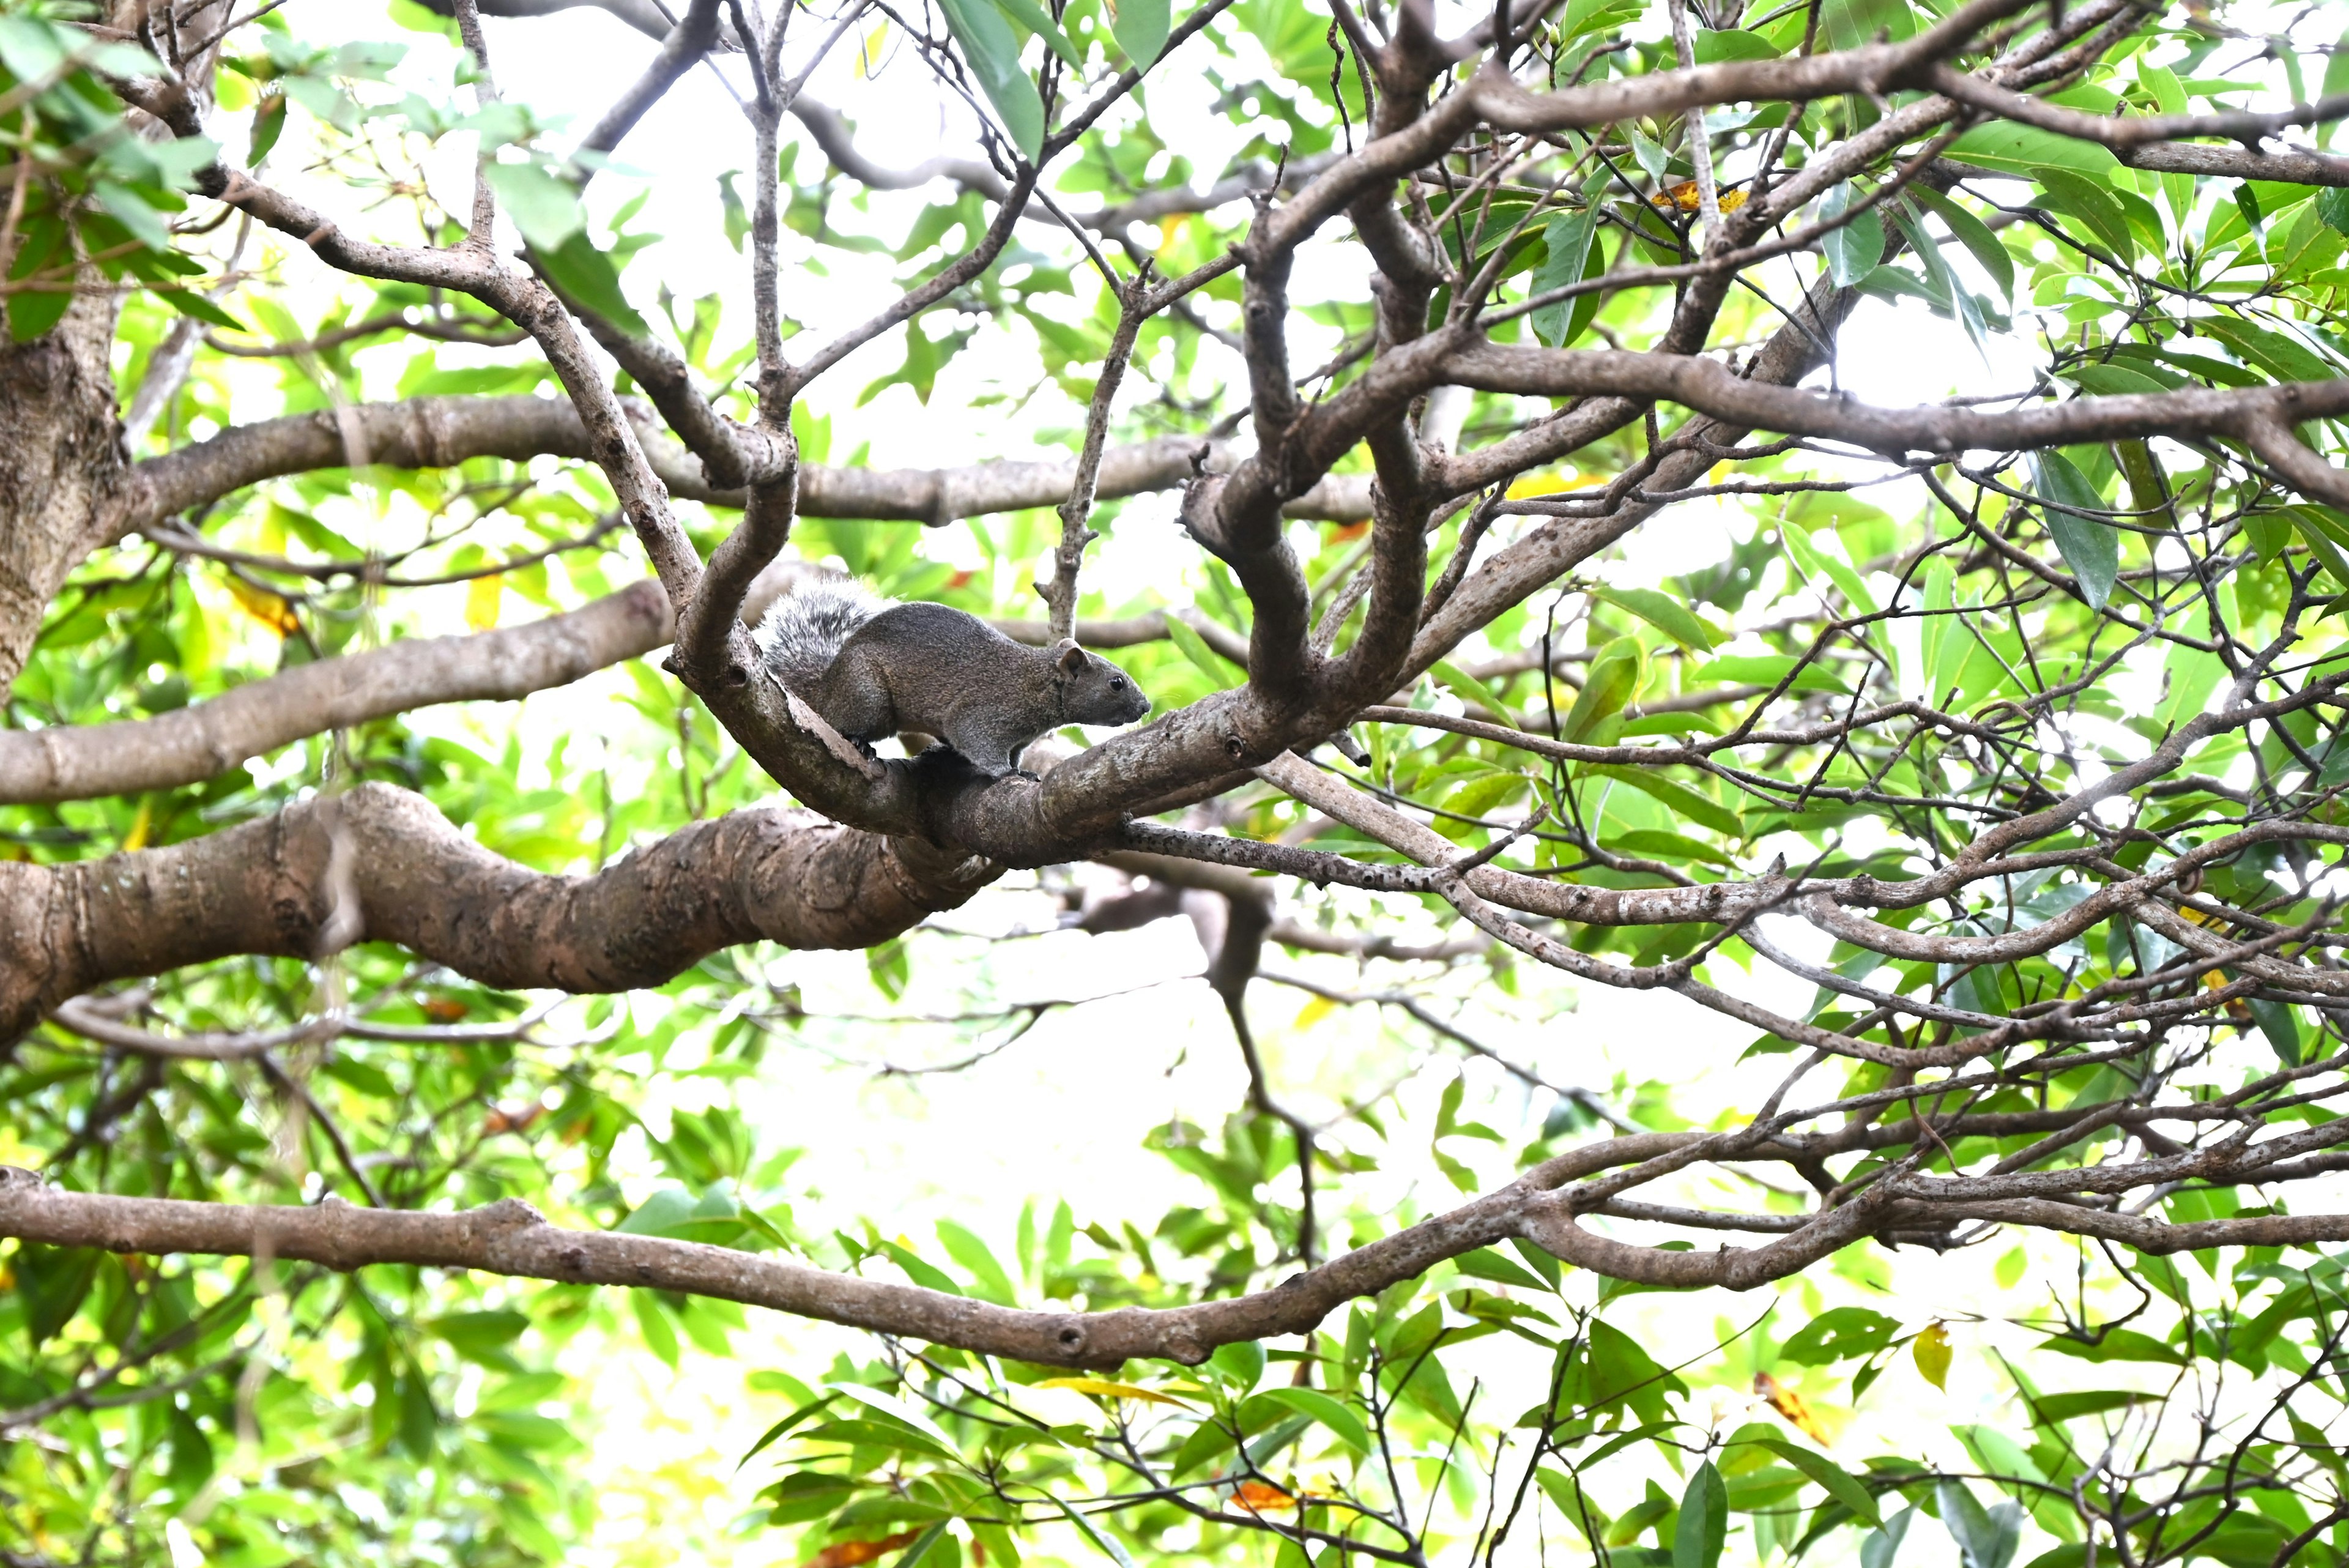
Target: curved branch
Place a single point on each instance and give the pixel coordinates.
(205, 738)
(1712, 389)
(2121, 132)
(695, 34)
(512, 1238)
(380, 864)
(439, 432)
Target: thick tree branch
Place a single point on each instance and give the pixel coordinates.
(380, 864)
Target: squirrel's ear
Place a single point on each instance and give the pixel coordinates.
(1068, 657)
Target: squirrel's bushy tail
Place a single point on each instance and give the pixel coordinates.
(801, 634)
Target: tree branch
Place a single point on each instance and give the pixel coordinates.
(380, 864)
(441, 432)
(205, 738)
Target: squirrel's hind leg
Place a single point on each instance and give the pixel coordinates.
(857, 699)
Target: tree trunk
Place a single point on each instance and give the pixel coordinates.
(60, 460)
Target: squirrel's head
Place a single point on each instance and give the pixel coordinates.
(1092, 690)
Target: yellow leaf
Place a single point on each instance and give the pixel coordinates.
(1170, 230)
(870, 56)
(140, 825)
(1792, 1408)
(1932, 1353)
(1261, 1496)
(1313, 1013)
(1109, 1390)
(1551, 483)
(274, 611)
(482, 601)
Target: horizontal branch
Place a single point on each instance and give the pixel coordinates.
(2128, 131)
(1713, 389)
(381, 864)
(441, 432)
(512, 1238)
(206, 739)
(2289, 168)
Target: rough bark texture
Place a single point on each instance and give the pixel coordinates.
(61, 460)
(380, 864)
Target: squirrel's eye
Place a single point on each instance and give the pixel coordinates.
(1117, 682)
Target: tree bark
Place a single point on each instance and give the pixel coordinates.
(61, 461)
(380, 864)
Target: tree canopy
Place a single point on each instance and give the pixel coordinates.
(1747, 610)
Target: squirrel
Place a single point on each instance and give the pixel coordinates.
(872, 668)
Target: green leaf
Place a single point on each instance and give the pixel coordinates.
(993, 50)
(2286, 359)
(1816, 561)
(1487, 1264)
(52, 1282)
(2116, 1344)
(2091, 547)
(482, 1337)
(1843, 1334)
(664, 1213)
(1566, 238)
(2280, 1028)
(1703, 1528)
(1677, 797)
(2007, 148)
(1610, 682)
(1853, 250)
(1877, 1549)
(2054, 1408)
(544, 208)
(2333, 207)
(1091, 1532)
(1242, 1361)
(1840, 1483)
(1972, 233)
(2087, 200)
(927, 1275)
(1714, 48)
(2112, 380)
(1663, 612)
(923, 1545)
(188, 302)
(1467, 685)
(963, 1245)
(1139, 28)
(1765, 670)
(268, 125)
(1039, 21)
(894, 1413)
(1193, 647)
(2317, 532)
(1986, 1538)
(1342, 1423)
(584, 273)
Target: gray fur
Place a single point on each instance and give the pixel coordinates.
(802, 634)
(874, 669)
